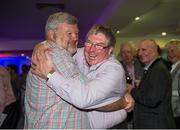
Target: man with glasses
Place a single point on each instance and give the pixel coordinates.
(106, 79)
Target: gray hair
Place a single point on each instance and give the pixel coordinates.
(99, 28)
(61, 17)
(130, 44)
(175, 42)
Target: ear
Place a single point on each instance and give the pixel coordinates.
(51, 35)
(110, 50)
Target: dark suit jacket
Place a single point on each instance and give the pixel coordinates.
(153, 98)
(138, 69)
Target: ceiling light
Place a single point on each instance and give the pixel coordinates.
(137, 18)
(117, 32)
(163, 33)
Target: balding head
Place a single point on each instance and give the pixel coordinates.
(147, 51)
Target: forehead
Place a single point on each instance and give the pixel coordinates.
(144, 44)
(68, 27)
(172, 46)
(126, 47)
(99, 37)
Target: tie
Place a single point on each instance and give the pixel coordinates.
(144, 74)
(145, 71)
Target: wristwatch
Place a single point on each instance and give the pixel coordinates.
(49, 75)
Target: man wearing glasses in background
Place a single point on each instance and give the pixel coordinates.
(106, 79)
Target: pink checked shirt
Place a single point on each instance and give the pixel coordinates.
(43, 108)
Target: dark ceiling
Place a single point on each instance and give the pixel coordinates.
(25, 19)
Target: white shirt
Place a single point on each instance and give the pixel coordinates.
(106, 84)
(174, 66)
(175, 91)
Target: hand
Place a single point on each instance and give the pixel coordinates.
(39, 52)
(129, 88)
(137, 82)
(43, 67)
(130, 102)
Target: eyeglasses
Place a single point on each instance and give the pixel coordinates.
(98, 46)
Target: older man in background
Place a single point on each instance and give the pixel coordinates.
(173, 53)
(9, 107)
(153, 96)
(133, 70)
(131, 64)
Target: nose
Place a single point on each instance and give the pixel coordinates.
(93, 47)
(74, 36)
(139, 52)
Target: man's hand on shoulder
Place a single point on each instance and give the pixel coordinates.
(39, 52)
(41, 63)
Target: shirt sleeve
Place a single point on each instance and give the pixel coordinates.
(103, 120)
(102, 90)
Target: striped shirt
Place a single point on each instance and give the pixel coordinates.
(43, 108)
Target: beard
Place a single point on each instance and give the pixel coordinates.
(72, 47)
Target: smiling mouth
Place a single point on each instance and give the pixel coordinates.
(92, 56)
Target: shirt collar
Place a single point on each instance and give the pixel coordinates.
(148, 65)
(174, 65)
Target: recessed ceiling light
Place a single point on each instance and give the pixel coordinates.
(117, 31)
(137, 18)
(163, 33)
